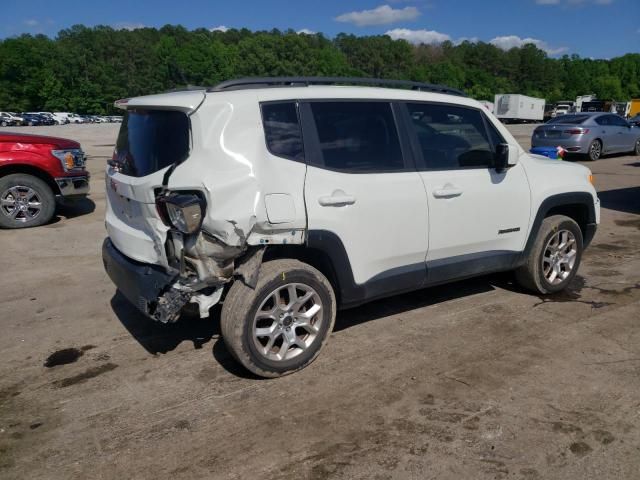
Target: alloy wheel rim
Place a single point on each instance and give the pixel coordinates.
(287, 322)
(20, 203)
(559, 257)
(595, 150)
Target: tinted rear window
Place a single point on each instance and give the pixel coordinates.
(570, 119)
(151, 140)
(357, 136)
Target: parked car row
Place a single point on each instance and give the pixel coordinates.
(8, 119)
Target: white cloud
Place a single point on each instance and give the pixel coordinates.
(128, 26)
(428, 37)
(219, 28)
(306, 31)
(382, 15)
(32, 22)
(418, 36)
(511, 41)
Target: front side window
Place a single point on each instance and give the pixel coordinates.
(282, 130)
(451, 137)
(357, 136)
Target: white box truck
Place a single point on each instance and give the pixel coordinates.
(580, 99)
(512, 108)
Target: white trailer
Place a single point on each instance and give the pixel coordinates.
(519, 108)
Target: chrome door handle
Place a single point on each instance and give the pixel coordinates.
(337, 199)
(447, 192)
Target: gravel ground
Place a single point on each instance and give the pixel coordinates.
(471, 380)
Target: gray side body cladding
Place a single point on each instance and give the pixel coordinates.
(414, 277)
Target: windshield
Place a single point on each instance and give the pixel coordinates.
(570, 119)
(150, 140)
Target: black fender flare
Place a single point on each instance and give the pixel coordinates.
(562, 199)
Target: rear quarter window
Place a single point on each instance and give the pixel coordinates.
(282, 130)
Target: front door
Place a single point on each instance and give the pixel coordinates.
(478, 218)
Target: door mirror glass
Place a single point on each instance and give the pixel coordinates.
(501, 157)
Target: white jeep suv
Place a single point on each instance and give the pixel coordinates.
(288, 198)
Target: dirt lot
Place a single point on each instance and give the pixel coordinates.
(472, 380)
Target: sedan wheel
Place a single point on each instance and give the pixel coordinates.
(637, 149)
(595, 150)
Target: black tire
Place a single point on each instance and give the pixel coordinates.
(241, 306)
(531, 275)
(595, 150)
(4, 123)
(43, 193)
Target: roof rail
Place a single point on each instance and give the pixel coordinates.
(274, 82)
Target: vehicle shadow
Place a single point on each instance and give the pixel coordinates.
(157, 337)
(418, 299)
(75, 208)
(622, 199)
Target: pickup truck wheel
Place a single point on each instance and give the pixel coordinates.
(25, 201)
(554, 258)
(281, 325)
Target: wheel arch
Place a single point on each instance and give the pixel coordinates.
(30, 170)
(578, 206)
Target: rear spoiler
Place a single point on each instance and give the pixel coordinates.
(186, 101)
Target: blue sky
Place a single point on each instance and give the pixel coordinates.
(589, 28)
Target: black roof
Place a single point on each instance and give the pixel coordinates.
(275, 82)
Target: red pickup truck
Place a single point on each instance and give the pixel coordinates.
(35, 170)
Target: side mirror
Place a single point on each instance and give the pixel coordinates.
(501, 157)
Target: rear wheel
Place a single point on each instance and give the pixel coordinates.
(636, 150)
(555, 257)
(281, 325)
(595, 150)
(25, 201)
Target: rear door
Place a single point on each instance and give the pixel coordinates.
(478, 218)
(362, 189)
(607, 133)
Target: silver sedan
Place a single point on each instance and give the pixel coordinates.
(590, 134)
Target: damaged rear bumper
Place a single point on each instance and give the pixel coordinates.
(142, 284)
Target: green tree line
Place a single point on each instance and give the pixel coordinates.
(85, 69)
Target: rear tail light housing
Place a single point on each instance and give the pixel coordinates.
(183, 211)
(577, 131)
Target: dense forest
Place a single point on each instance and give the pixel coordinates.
(85, 69)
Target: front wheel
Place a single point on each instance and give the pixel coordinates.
(636, 150)
(281, 325)
(554, 258)
(25, 201)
